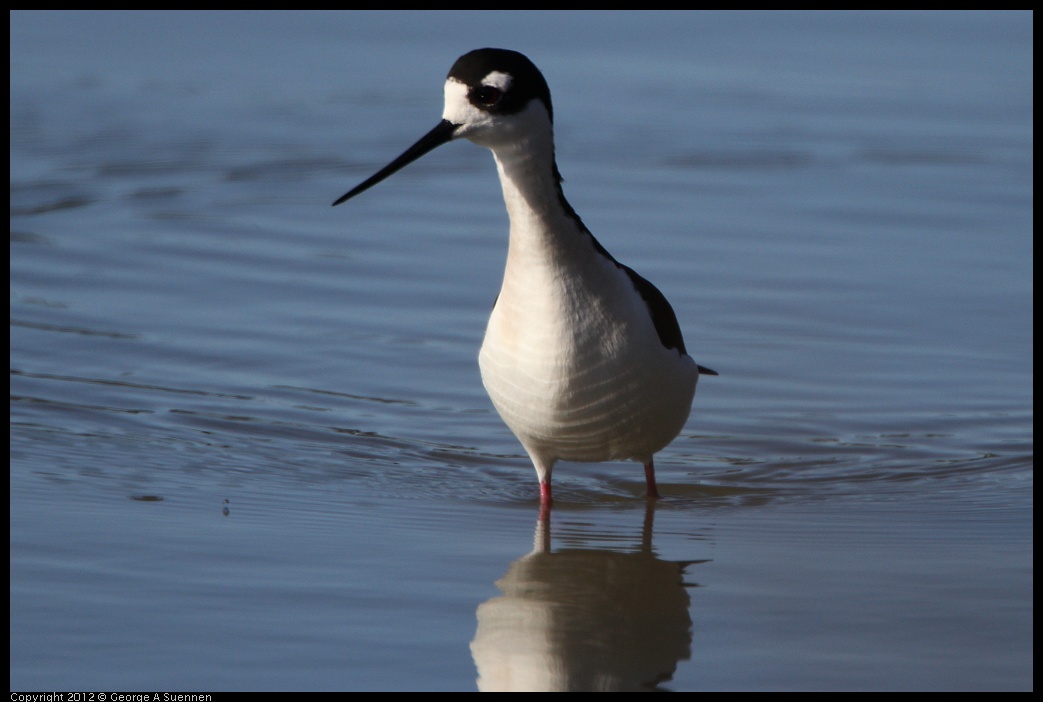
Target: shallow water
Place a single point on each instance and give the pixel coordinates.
(249, 443)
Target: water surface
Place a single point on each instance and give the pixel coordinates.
(249, 443)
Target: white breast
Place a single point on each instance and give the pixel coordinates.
(573, 364)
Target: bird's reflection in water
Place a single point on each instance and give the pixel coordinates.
(584, 619)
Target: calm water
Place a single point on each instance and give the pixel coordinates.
(249, 444)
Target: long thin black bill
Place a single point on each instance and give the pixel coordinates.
(430, 141)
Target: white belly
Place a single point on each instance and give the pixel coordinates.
(581, 377)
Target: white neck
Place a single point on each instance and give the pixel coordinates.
(542, 231)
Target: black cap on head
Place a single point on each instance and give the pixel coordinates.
(527, 82)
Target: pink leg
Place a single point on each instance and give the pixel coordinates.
(653, 492)
(545, 501)
(545, 492)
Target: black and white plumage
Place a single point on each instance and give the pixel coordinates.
(583, 358)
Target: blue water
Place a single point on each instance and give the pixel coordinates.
(250, 447)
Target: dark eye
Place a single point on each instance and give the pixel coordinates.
(488, 95)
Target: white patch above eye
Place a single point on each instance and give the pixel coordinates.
(496, 79)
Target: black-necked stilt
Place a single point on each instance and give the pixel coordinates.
(583, 358)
